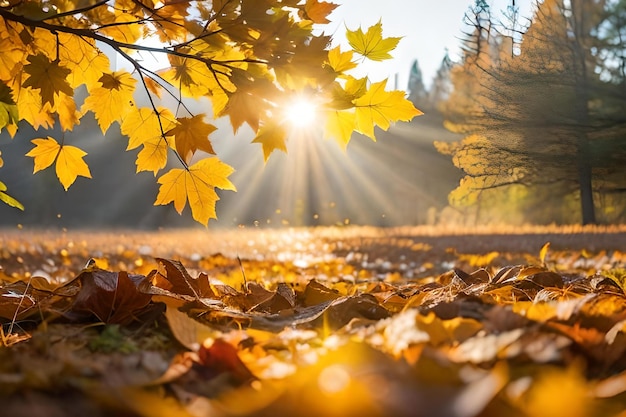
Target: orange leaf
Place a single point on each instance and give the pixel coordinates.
(47, 76)
(192, 134)
(318, 11)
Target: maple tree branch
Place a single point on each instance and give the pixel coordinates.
(119, 48)
(91, 34)
(139, 68)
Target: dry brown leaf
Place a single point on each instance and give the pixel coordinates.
(113, 297)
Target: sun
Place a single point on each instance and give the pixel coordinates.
(301, 112)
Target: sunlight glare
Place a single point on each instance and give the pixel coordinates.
(301, 112)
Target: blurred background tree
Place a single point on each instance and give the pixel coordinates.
(543, 108)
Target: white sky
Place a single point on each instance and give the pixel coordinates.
(427, 27)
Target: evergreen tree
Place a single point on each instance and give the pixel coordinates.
(442, 85)
(417, 91)
(544, 116)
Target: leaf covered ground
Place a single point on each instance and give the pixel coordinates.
(327, 321)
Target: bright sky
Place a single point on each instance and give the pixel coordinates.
(428, 28)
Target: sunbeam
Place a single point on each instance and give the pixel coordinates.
(397, 181)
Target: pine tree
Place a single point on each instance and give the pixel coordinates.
(441, 85)
(543, 117)
(417, 91)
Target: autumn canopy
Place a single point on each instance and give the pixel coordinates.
(247, 57)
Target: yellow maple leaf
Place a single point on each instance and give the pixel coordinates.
(340, 61)
(378, 107)
(126, 29)
(31, 109)
(153, 155)
(145, 127)
(272, 136)
(48, 77)
(195, 78)
(195, 185)
(65, 108)
(10, 56)
(339, 125)
(112, 100)
(192, 134)
(172, 23)
(7, 199)
(83, 58)
(343, 97)
(69, 160)
(371, 44)
(191, 77)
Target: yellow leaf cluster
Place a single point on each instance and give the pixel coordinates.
(112, 99)
(359, 108)
(147, 128)
(246, 58)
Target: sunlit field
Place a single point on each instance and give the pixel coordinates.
(405, 251)
(346, 321)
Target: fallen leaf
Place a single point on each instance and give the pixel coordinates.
(113, 297)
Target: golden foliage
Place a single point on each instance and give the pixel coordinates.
(245, 57)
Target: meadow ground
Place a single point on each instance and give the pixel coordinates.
(409, 321)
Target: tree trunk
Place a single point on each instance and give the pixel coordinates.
(585, 181)
(578, 22)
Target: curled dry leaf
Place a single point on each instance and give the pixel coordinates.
(113, 297)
